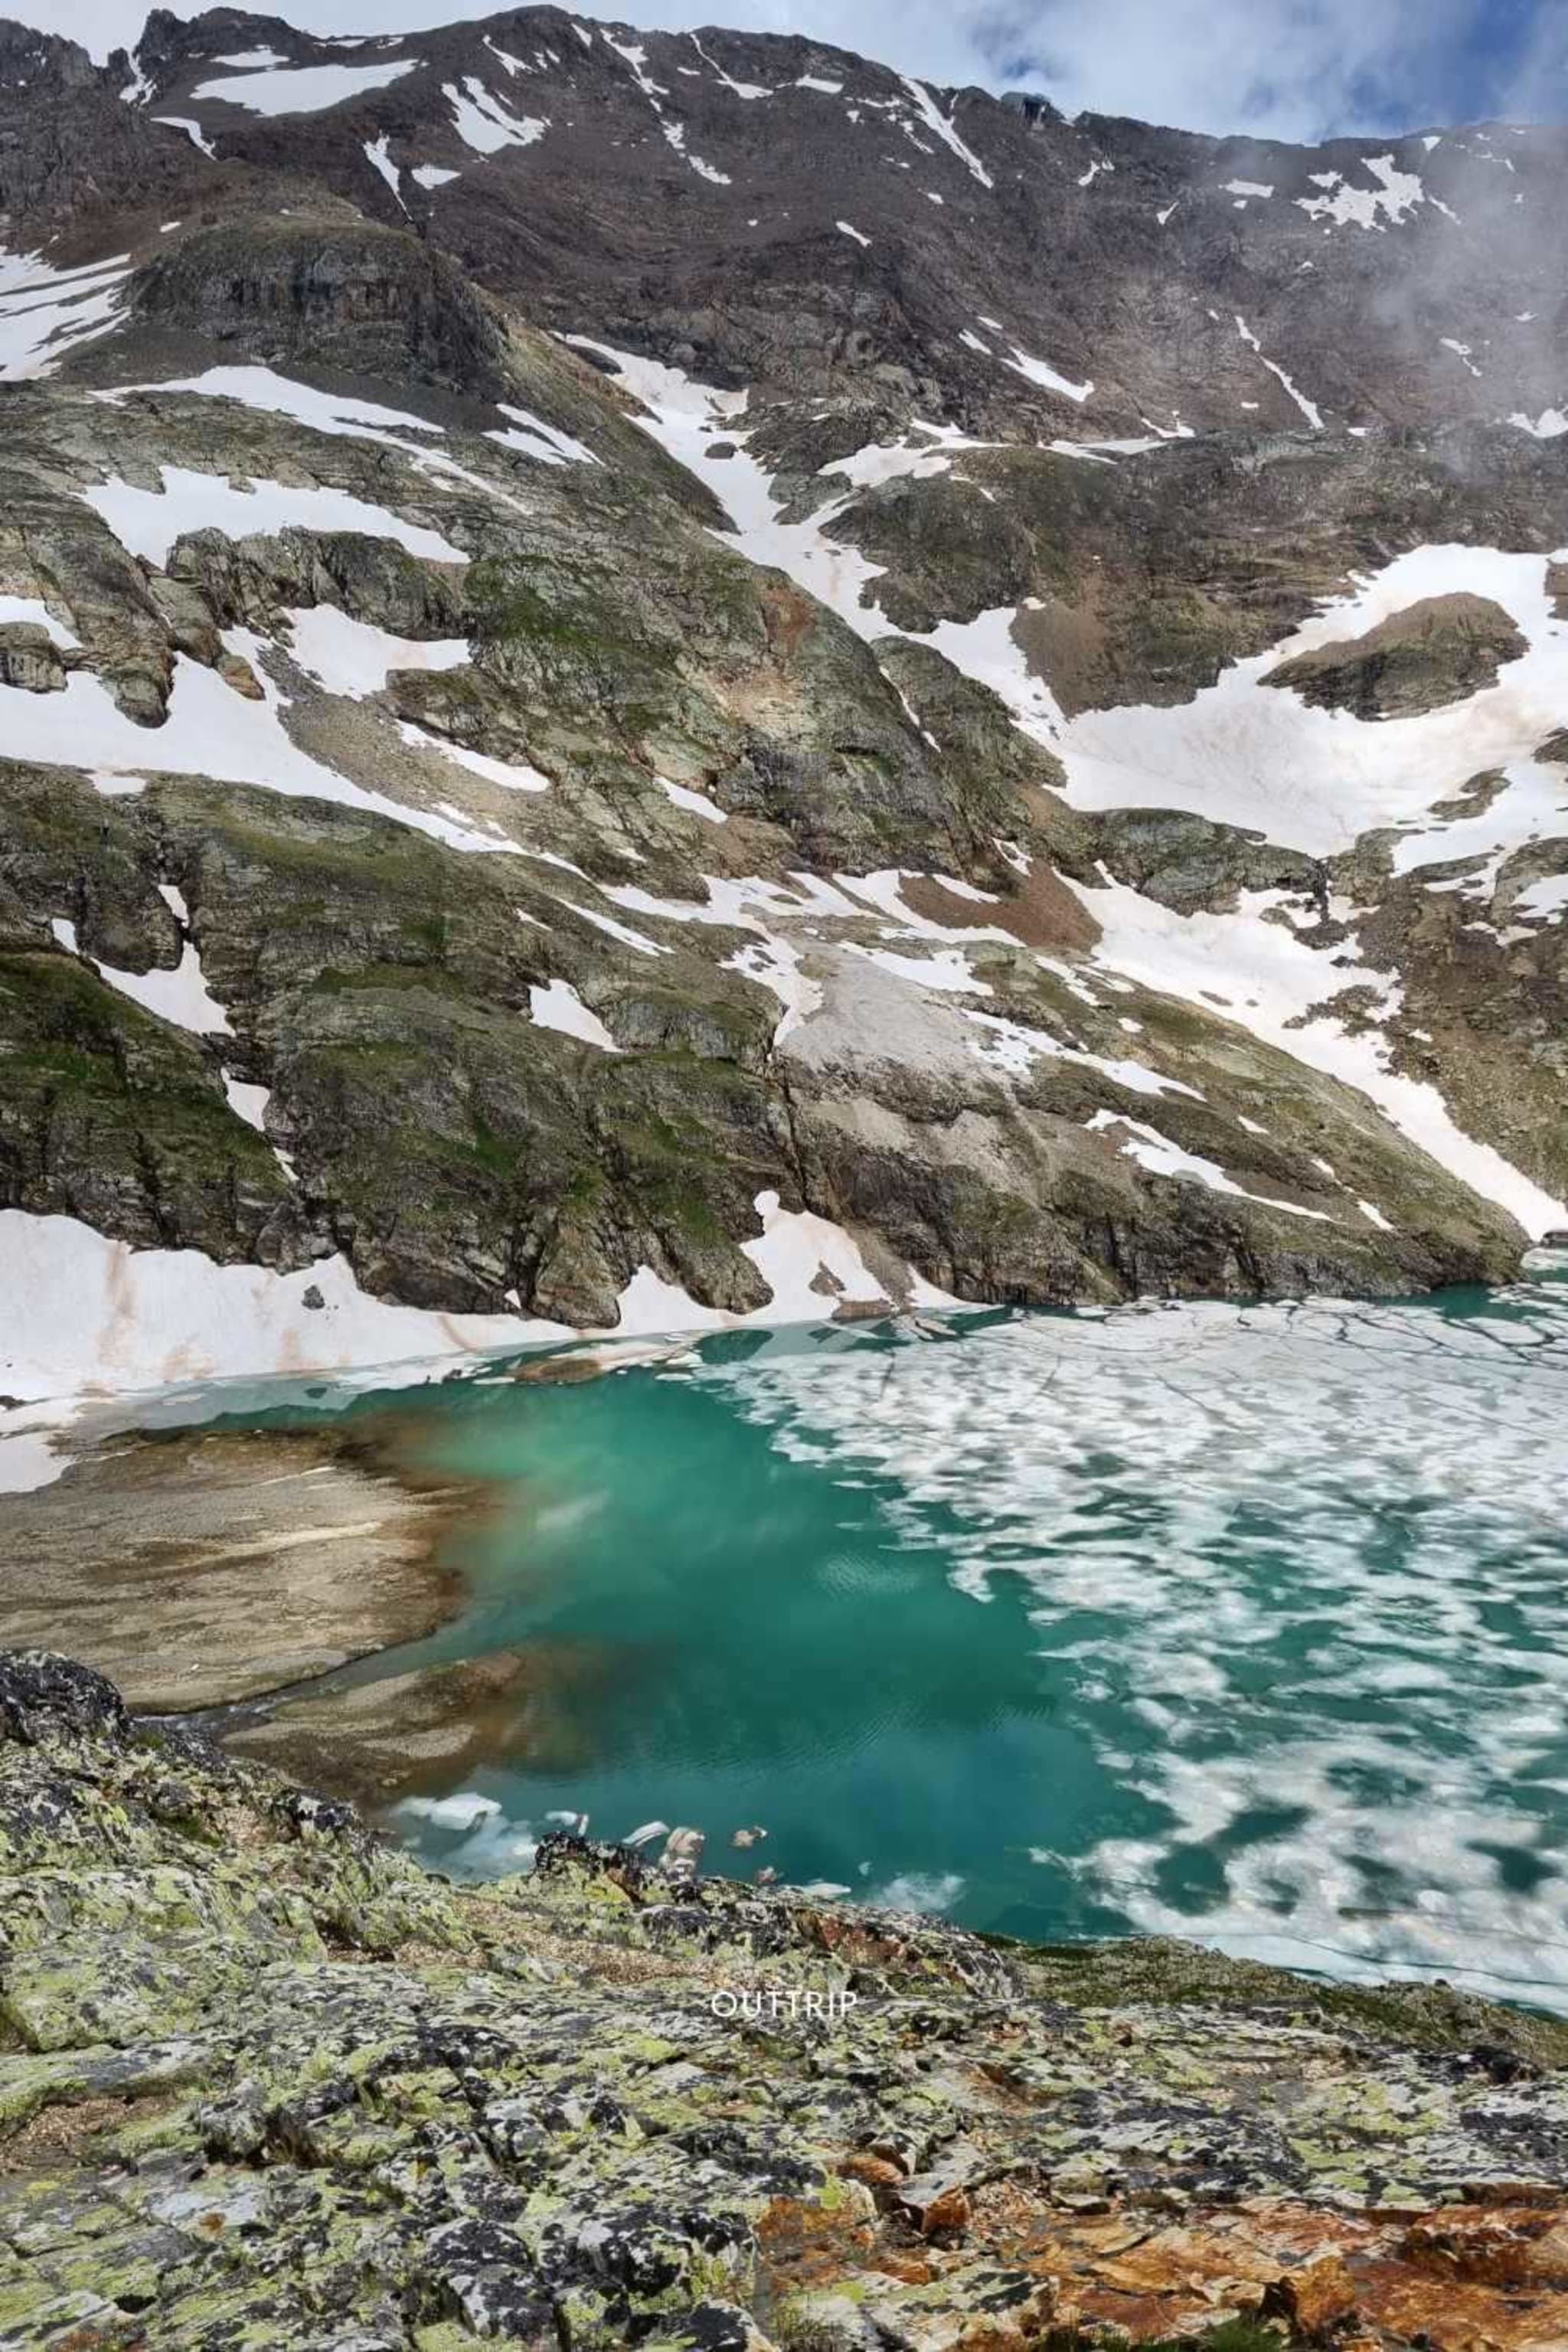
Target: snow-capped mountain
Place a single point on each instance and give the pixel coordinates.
(653, 680)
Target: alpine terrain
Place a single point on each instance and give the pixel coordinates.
(657, 679)
(655, 684)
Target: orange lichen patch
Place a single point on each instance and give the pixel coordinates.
(874, 2170)
(933, 2216)
(910, 2270)
(1498, 2245)
(1468, 2278)
(1456, 2315)
(812, 2245)
(1315, 2296)
(1149, 2317)
(1182, 2258)
(787, 614)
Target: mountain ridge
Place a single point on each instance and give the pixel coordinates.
(737, 708)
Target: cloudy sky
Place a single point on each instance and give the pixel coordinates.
(1285, 69)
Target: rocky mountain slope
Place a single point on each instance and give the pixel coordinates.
(658, 679)
(263, 2082)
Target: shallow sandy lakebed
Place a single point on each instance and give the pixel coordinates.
(201, 1568)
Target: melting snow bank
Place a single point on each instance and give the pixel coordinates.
(88, 1317)
(85, 1314)
(1248, 753)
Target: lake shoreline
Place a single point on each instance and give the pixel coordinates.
(218, 1568)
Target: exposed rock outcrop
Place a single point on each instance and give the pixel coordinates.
(262, 2079)
(1436, 652)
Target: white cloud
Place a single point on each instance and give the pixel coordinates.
(1279, 69)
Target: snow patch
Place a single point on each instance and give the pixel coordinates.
(37, 613)
(353, 657)
(1393, 195)
(148, 522)
(559, 1006)
(302, 89)
(46, 312)
(1051, 379)
(85, 1313)
(932, 115)
(483, 123)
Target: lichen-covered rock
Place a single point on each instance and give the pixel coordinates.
(262, 2080)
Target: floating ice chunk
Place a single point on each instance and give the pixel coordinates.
(459, 1813)
(920, 1890)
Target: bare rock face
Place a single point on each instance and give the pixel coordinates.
(1437, 652)
(283, 291)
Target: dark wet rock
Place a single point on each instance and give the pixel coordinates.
(46, 1698)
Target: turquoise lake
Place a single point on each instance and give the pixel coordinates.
(1249, 1625)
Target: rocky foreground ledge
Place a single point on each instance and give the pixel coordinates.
(265, 2082)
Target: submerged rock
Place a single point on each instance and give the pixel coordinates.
(263, 2080)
